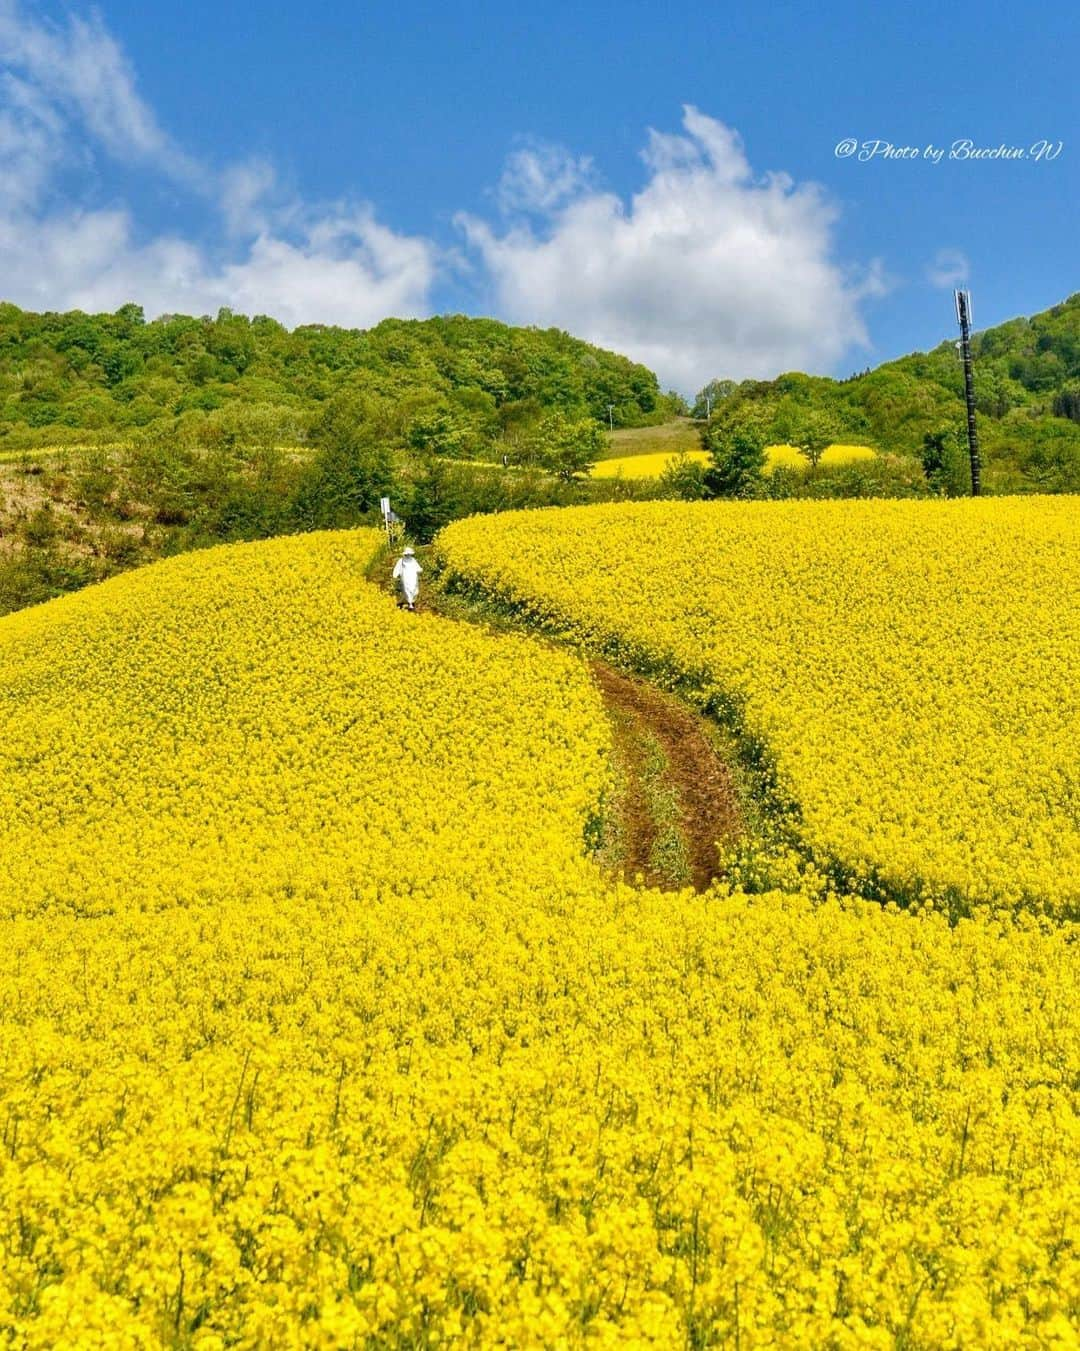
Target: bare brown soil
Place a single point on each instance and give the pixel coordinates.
(708, 804)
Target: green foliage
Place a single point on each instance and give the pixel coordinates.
(40, 528)
(39, 573)
(708, 398)
(945, 464)
(1067, 401)
(884, 476)
(107, 374)
(353, 466)
(815, 431)
(1026, 371)
(563, 446)
(683, 479)
(736, 445)
(1048, 454)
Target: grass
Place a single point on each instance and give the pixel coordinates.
(668, 855)
(668, 438)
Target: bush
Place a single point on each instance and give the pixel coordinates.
(40, 529)
(352, 468)
(683, 479)
(737, 447)
(946, 468)
(35, 575)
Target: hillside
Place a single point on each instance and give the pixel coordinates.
(1027, 383)
(323, 1028)
(71, 377)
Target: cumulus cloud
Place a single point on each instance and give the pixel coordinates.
(347, 270)
(67, 93)
(709, 270)
(949, 268)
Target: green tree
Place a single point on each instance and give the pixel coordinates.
(736, 446)
(1050, 456)
(683, 479)
(352, 468)
(943, 462)
(564, 446)
(1067, 401)
(712, 394)
(814, 432)
(439, 432)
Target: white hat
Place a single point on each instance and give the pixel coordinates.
(407, 550)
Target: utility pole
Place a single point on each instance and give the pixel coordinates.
(963, 318)
(611, 417)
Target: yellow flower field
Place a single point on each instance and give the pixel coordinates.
(793, 458)
(654, 464)
(257, 720)
(912, 667)
(319, 1028)
(642, 466)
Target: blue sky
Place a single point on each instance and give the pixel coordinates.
(661, 179)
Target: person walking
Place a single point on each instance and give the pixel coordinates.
(407, 571)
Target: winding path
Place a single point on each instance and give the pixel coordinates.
(676, 801)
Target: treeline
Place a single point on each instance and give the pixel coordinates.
(466, 386)
(1027, 388)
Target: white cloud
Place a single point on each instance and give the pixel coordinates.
(349, 271)
(949, 268)
(707, 271)
(540, 177)
(30, 143)
(66, 91)
(81, 70)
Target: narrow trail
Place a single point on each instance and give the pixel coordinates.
(675, 800)
(680, 801)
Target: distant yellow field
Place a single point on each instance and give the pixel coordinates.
(652, 466)
(642, 466)
(793, 457)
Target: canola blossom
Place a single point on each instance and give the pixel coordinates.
(911, 667)
(790, 457)
(654, 464)
(643, 466)
(262, 719)
(318, 1027)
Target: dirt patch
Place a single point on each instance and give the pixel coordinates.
(708, 806)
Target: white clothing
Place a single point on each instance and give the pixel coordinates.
(407, 570)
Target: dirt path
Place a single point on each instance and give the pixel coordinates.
(679, 799)
(675, 797)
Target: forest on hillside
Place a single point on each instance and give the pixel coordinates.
(123, 440)
(1027, 388)
(463, 383)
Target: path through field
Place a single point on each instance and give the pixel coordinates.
(675, 801)
(679, 801)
